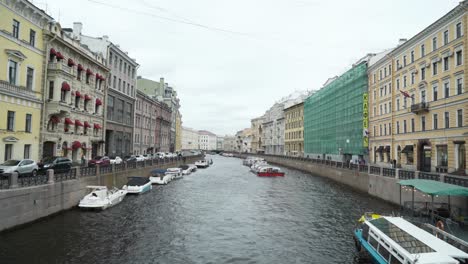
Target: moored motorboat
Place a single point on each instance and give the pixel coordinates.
(158, 176)
(388, 239)
(185, 169)
(192, 168)
(101, 198)
(257, 165)
(201, 164)
(269, 171)
(175, 173)
(138, 185)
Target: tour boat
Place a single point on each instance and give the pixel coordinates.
(269, 171)
(138, 185)
(201, 164)
(101, 198)
(185, 169)
(394, 240)
(175, 173)
(158, 176)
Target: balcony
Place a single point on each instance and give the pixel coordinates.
(58, 108)
(58, 66)
(420, 108)
(17, 90)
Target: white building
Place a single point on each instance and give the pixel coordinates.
(207, 140)
(229, 143)
(190, 138)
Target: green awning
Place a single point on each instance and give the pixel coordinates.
(435, 187)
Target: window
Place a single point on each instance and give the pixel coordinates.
(459, 85)
(63, 95)
(51, 90)
(380, 134)
(410, 157)
(11, 121)
(447, 119)
(434, 43)
(412, 56)
(128, 72)
(123, 87)
(412, 99)
(8, 151)
(385, 107)
(405, 102)
(380, 74)
(29, 78)
(398, 104)
(460, 118)
(16, 25)
(458, 58)
(423, 50)
(435, 121)
(77, 102)
(27, 151)
(404, 61)
(381, 112)
(374, 78)
(446, 37)
(125, 68)
(458, 30)
(32, 37)
(398, 84)
(412, 125)
(404, 126)
(133, 73)
(398, 127)
(423, 96)
(434, 68)
(110, 107)
(27, 128)
(442, 157)
(398, 64)
(115, 82)
(423, 74)
(446, 64)
(12, 72)
(423, 123)
(412, 77)
(404, 81)
(120, 65)
(132, 91)
(110, 58)
(447, 89)
(128, 88)
(385, 129)
(434, 93)
(120, 84)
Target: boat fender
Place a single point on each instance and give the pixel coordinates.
(357, 244)
(440, 225)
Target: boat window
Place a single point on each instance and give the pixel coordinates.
(394, 260)
(384, 252)
(373, 242)
(365, 232)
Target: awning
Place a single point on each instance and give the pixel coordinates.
(379, 149)
(86, 124)
(97, 126)
(76, 145)
(88, 72)
(68, 121)
(98, 101)
(65, 86)
(53, 52)
(435, 188)
(87, 97)
(71, 63)
(60, 56)
(78, 123)
(98, 77)
(77, 94)
(80, 67)
(407, 149)
(387, 149)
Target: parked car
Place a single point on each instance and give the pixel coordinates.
(23, 167)
(140, 158)
(116, 160)
(147, 156)
(161, 155)
(101, 160)
(131, 158)
(58, 164)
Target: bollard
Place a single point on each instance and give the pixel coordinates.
(13, 180)
(416, 174)
(397, 174)
(50, 176)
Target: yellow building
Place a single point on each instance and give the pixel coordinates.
(418, 100)
(178, 128)
(256, 128)
(294, 130)
(22, 49)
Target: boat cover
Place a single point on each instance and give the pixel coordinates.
(184, 167)
(137, 181)
(158, 171)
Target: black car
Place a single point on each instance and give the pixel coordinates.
(58, 164)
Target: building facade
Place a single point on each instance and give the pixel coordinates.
(273, 130)
(21, 95)
(178, 131)
(219, 143)
(190, 138)
(73, 118)
(256, 129)
(229, 143)
(294, 130)
(244, 141)
(207, 140)
(429, 98)
(163, 126)
(121, 92)
(334, 118)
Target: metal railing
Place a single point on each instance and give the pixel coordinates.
(388, 172)
(25, 181)
(120, 167)
(69, 175)
(105, 169)
(405, 175)
(375, 170)
(88, 171)
(4, 181)
(456, 180)
(429, 176)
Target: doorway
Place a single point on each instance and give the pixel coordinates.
(48, 149)
(425, 156)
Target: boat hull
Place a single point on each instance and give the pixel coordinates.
(363, 245)
(270, 174)
(140, 189)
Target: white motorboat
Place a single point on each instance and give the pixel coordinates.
(158, 176)
(192, 168)
(174, 172)
(201, 164)
(101, 198)
(185, 169)
(256, 165)
(138, 185)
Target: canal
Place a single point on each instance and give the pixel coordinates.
(222, 214)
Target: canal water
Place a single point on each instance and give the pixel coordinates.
(222, 214)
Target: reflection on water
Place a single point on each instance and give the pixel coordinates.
(223, 214)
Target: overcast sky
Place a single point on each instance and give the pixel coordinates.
(230, 60)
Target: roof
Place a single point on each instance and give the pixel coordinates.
(436, 188)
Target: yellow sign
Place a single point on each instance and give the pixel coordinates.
(365, 120)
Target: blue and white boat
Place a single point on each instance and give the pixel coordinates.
(137, 185)
(394, 240)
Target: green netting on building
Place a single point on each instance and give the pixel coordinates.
(333, 116)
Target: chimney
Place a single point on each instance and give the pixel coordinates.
(77, 27)
(402, 41)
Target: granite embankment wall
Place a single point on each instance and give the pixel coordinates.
(383, 187)
(19, 206)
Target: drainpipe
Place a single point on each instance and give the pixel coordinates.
(43, 89)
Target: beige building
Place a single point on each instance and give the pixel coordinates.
(190, 138)
(256, 129)
(294, 130)
(178, 131)
(418, 102)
